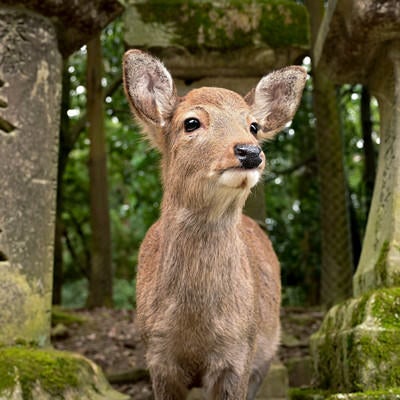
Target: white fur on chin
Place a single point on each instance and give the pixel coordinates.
(240, 178)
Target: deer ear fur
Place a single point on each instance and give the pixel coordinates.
(275, 99)
(150, 90)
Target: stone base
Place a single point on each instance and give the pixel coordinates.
(274, 387)
(357, 348)
(30, 373)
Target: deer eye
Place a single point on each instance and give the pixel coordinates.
(191, 124)
(254, 128)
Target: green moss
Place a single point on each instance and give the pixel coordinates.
(307, 394)
(391, 394)
(381, 264)
(54, 371)
(60, 316)
(231, 25)
(358, 347)
(316, 394)
(386, 307)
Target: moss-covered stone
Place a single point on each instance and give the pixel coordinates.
(308, 394)
(222, 25)
(315, 394)
(61, 316)
(28, 373)
(357, 347)
(24, 310)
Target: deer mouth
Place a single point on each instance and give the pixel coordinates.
(239, 178)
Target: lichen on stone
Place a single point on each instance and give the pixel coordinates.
(225, 25)
(357, 347)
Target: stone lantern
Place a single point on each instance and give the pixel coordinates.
(357, 348)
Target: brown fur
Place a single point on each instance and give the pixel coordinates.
(208, 285)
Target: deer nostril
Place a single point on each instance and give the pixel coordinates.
(248, 155)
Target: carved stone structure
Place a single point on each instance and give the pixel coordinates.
(358, 347)
(34, 35)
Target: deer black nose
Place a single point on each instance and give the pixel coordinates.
(248, 155)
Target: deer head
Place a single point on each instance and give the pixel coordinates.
(210, 138)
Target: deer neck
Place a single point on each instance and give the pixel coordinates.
(199, 254)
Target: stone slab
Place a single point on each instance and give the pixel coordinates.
(198, 39)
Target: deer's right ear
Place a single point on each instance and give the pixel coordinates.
(150, 90)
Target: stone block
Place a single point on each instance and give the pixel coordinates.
(357, 347)
(198, 39)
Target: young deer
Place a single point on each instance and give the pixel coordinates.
(208, 284)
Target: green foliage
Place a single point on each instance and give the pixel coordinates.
(135, 189)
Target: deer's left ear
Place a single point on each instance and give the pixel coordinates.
(275, 99)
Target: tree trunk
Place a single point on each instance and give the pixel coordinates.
(337, 264)
(100, 282)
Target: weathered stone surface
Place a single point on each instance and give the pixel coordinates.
(380, 259)
(76, 21)
(227, 38)
(353, 36)
(358, 346)
(30, 66)
(27, 373)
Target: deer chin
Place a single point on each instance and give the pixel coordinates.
(238, 178)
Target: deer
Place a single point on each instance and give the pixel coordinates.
(208, 280)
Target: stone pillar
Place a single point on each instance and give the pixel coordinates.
(358, 346)
(380, 259)
(32, 33)
(30, 77)
(34, 36)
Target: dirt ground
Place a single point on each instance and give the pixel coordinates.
(109, 338)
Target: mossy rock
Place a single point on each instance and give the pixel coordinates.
(357, 347)
(29, 374)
